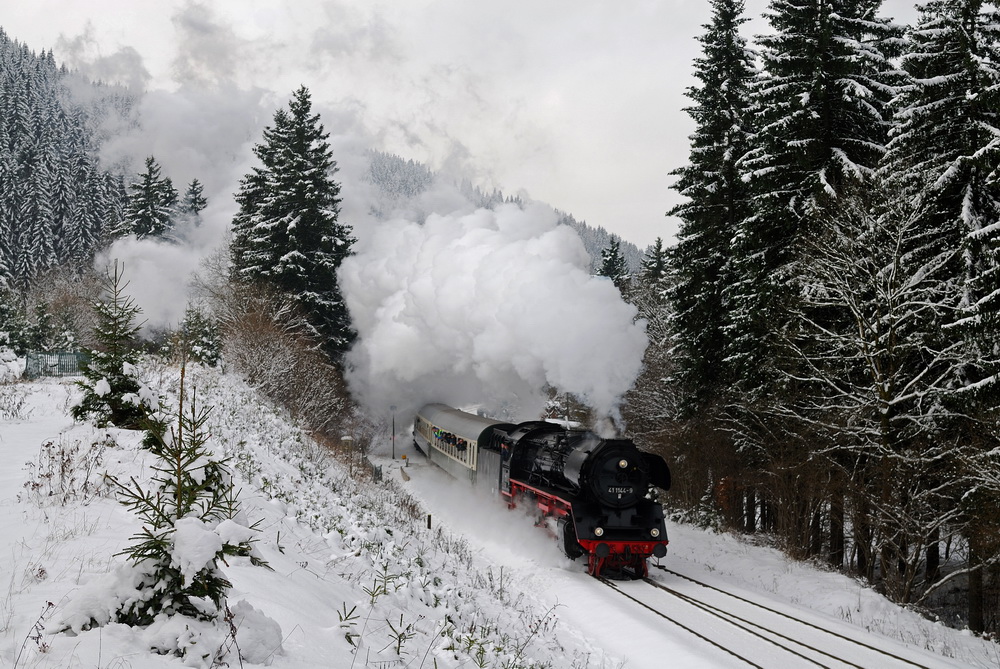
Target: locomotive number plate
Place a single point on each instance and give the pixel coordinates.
(620, 490)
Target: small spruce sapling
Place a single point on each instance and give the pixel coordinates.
(187, 526)
(112, 392)
(198, 338)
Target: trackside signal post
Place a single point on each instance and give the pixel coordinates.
(393, 437)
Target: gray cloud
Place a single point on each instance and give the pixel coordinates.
(207, 47)
(83, 54)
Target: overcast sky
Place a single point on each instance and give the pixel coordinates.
(577, 103)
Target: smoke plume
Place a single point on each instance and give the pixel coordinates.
(489, 307)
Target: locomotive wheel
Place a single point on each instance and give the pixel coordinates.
(571, 546)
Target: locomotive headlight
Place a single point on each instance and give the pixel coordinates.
(623, 463)
(598, 531)
(655, 532)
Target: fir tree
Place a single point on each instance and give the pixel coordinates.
(820, 107)
(651, 404)
(717, 199)
(86, 222)
(34, 214)
(193, 497)
(655, 264)
(41, 334)
(152, 205)
(8, 216)
(112, 392)
(13, 325)
(944, 163)
(193, 201)
(943, 167)
(199, 337)
(613, 265)
(650, 289)
(49, 212)
(287, 232)
(64, 197)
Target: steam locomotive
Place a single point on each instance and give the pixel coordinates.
(596, 490)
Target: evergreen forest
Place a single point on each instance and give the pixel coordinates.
(824, 373)
(57, 204)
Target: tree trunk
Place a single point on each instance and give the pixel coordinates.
(932, 571)
(836, 555)
(863, 539)
(750, 512)
(816, 532)
(977, 622)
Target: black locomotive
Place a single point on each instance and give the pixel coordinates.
(597, 489)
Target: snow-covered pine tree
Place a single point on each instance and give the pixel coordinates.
(42, 334)
(112, 392)
(820, 128)
(595, 240)
(820, 112)
(13, 323)
(152, 204)
(650, 406)
(199, 336)
(613, 265)
(193, 202)
(64, 195)
(8, 214)
(191, 506)
(86, 222)
(655, 265)
(397, 179)
(286, 232)
(36, 250)
(943, 167)
(717, 200)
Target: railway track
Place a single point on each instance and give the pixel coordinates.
(757, 635)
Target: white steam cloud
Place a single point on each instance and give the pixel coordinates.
(489, 308)
(158, 275)
(193, 133)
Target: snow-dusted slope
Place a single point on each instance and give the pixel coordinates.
(358, 579)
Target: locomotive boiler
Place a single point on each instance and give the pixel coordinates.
(599, 491)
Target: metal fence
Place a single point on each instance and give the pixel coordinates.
(53, 364)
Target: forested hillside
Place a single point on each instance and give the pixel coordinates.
(57, 203)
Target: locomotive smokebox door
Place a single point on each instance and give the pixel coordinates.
(659, 472)
(613, 470)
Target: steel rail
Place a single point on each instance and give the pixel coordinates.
(684, 627)
(745, 625)
(843, 637)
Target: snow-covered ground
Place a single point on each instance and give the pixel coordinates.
(357, 578)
